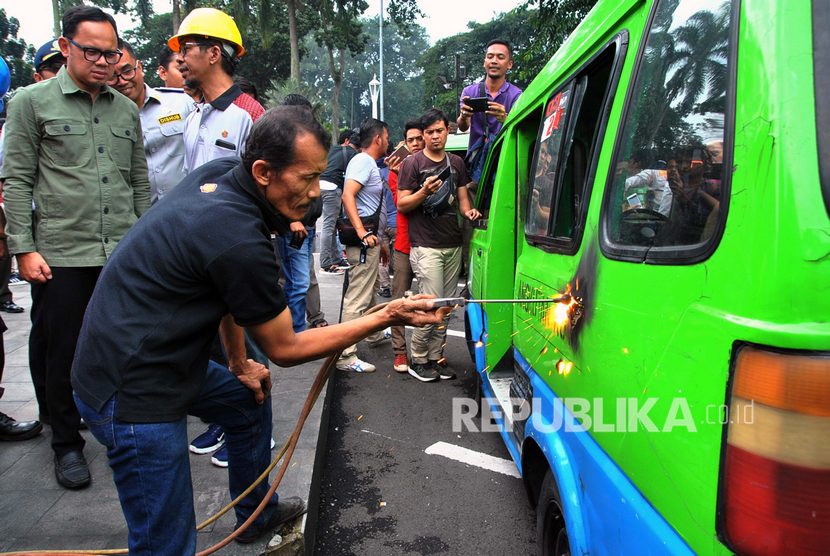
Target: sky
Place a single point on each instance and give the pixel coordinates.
(443, 18)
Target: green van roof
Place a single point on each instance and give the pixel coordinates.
(457, 142)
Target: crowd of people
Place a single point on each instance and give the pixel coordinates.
(167, 235)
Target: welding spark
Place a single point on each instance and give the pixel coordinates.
(564, 367)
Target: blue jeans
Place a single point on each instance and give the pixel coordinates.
(296, 267)
(151, 466)
(331, 252)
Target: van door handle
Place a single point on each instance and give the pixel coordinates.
(479, 251)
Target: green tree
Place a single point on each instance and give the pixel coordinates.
(403, 79)
(139, 7)
(148, 41)
(18, 55)
(340, 33)
(550, 23)
(403, 82)
(264, 31)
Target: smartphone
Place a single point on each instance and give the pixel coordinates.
(225, 145)
(478, 104)
(401, 152)
(444, 174)
(297, 241)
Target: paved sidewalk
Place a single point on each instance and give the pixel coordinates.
(37, 514)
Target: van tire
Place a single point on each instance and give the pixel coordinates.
(551, 533)
(478, 396)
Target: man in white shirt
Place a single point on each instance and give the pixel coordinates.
(363, 195)
(162, 121)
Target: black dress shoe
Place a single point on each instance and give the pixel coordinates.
(71, 470)
(13, 430)
(11, 307)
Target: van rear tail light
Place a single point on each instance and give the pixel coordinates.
(775, 495)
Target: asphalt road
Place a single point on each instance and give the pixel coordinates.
(382, 493)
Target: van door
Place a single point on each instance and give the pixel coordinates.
(494, 242)
(492, 258)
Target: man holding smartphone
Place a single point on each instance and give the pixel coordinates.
(485, 121)
(432, 190)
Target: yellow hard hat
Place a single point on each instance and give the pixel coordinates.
(208, 22)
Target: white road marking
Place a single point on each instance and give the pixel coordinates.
(456, 333)
(381, 435)
(471, 457)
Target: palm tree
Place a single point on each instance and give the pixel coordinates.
(700, 60)
(681, 65)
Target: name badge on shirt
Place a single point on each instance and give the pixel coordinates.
(171, 118)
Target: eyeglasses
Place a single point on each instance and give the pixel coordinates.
(94, 54)
(185, 46)
(50, 67)
(126, 74)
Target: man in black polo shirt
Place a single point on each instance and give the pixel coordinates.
(203, 256)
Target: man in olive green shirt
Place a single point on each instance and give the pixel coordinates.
(73, 145)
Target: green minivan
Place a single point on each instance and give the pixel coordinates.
(661, 191)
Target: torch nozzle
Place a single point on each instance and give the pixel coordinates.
(460, 301)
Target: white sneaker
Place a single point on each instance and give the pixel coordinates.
(357, 366)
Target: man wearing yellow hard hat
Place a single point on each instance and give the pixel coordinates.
(211, 45)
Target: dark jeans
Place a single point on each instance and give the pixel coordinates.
(58, 308)
(5, 273)
(151, 466)
(296, 267)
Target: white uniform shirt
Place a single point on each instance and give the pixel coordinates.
(220, 128)
(162, 122)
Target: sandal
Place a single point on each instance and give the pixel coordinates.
(319, 323)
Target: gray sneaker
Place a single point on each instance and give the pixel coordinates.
(423, 372)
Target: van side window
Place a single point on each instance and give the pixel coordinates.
(549, 146)
(565, 159)
(667, 196)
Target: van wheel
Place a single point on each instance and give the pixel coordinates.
(551, 534)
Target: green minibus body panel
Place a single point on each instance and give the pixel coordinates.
(656, 327)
